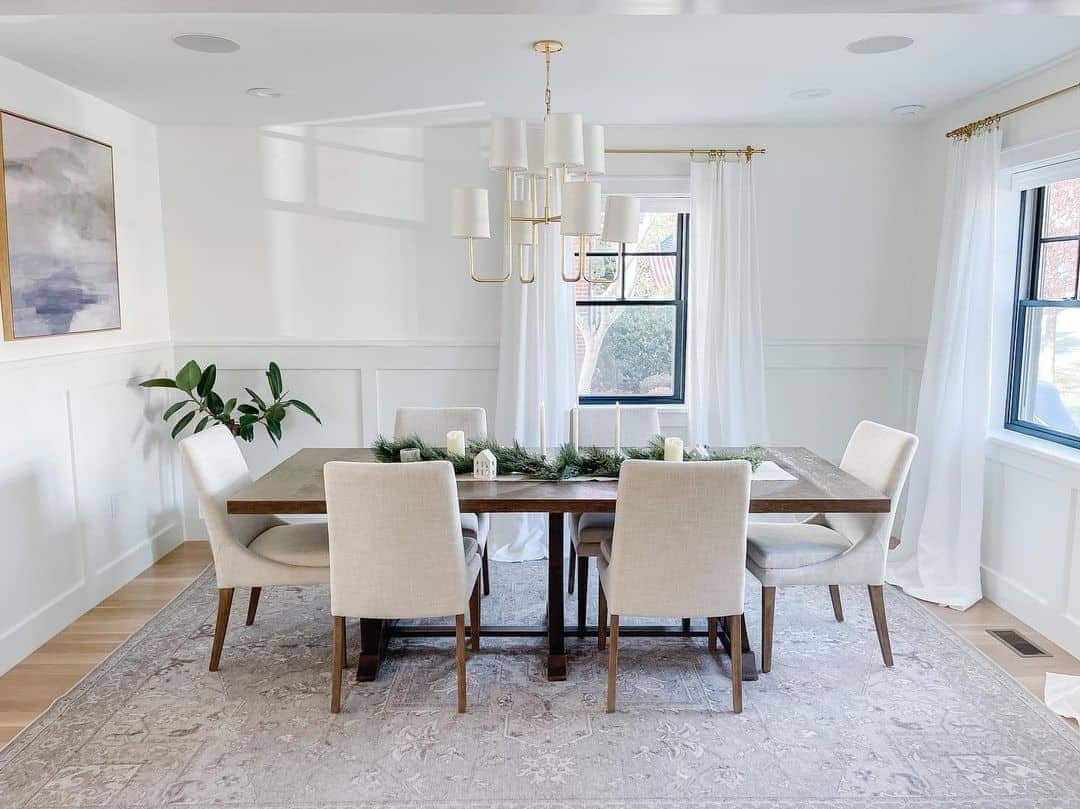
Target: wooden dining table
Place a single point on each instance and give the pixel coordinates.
(296, 486)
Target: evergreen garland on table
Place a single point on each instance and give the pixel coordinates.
(590, 462)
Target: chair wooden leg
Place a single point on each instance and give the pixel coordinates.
(837, 606)
(474, 616)
(253, 605)
(460, 662)
(877, 605)
(571, 567)
(582, 593)
(485, 572)
(612, 663)
(768, 608)
(712, 635)
(224, 605)
(601, 618)
(735, 629)
(337, 664)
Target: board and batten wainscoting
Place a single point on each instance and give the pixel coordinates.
(89, 485)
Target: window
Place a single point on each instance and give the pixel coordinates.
(631, 319)
(1044, 396)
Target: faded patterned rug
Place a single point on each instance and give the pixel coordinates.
(829, 727)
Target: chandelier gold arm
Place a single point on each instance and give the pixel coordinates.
(470, 254)
(534, 247)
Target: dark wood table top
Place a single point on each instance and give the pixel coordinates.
(296, 487)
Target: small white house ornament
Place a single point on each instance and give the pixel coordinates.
(484, 465)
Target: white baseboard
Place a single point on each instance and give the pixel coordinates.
(1032, 610)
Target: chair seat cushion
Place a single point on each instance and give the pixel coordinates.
(587, 548)
(471, 547)
(592, 528)
(605, 550)
(301, 545)
(784, 546)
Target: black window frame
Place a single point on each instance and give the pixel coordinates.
(1026, 300)
(678, 302)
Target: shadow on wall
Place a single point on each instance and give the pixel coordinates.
(345, 213)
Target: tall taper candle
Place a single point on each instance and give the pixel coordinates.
(574, 427)
(618, 428)
(673, 449)
(543, 432)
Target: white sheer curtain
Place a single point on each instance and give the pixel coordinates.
(536, 363)
(725, 354)
(939, 554)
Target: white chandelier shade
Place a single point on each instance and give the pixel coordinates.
(622, 219)
(594, 149)
(581, 209)
(508, 145)
(534, 139)
(469, 214)
(564, 145)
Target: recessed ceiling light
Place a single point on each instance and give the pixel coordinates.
(885, 44)
(810, 93)
(206, 43)
(264, 92)
(908, 110)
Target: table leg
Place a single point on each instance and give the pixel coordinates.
(749, 660)
(371, 637)
(556, 665)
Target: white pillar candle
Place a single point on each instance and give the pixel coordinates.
(574, 428)
(618, 428)
(543, 432)
(455, 442)
(673, 449)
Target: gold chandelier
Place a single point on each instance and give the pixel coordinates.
(562, 157)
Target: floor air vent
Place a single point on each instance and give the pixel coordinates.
(1018, 643)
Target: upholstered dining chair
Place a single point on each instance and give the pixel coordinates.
(596, 427)
(836, 549)
(397, 551)
(248, 551)
(698, 511)
(431, 424)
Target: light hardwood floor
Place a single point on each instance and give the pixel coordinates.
(30, 688)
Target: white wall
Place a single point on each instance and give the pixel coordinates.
(328, 246)
(89, 487)
(1031, 526)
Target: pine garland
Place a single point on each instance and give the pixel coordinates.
(590, 462)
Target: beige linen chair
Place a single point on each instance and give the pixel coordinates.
(835, 549)
(596, 427)
(397, 551)
(249, 551)
(431, 424)
(679, 548)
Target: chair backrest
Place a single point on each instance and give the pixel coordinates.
(880, 457)
(637, 426)
(679, 547)
(396, 549)
(433, 423)
(217, 469)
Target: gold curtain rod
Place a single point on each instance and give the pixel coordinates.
(967, 130)
(712, 151)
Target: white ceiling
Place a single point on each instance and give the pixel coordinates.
(637, 69)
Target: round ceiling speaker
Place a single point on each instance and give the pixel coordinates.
(206, 43)
(884, 44)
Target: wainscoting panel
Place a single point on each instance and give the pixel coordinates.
(449, 387)
(89, 486)
(1031, 540)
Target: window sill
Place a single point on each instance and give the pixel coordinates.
(1037, 447)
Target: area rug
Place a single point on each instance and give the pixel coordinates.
(829, 727)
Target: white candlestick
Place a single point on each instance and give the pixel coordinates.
(574, 427)
(455, 442)
(543, 432)
(618, 428)
(673, 449)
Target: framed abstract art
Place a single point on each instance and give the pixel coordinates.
(58, 266)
